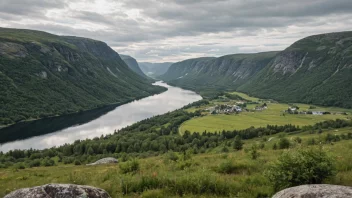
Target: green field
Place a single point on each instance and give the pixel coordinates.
(157, 178)
(272, 116)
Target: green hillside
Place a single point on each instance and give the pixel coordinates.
(132, 64)
(316, 69)
(207, 74)
(44, 75)
(154, 69)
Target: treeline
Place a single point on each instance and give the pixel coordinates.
(150, 137)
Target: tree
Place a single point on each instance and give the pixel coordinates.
(301, 167)
(275, 146)
(284, 143)
(238, 144)
(254, 152)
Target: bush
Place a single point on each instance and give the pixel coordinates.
(77, 162)
(254, 152)
(20, 166)
(284, 143)
(34, 163)
(171, 156)
(238, 144)
(226, 167)
(129, 166)
(300, 167)
(68, 160)
(48, 162)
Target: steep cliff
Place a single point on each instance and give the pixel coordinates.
(154, 69)
(44, 75)
(316, 69)
(132, 64)
(227, 72)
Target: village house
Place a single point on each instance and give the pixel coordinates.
(317, 112)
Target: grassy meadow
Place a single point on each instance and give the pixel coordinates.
(273, 116)
(200, 175)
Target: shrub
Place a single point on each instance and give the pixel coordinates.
(238, 144)
(20, 166)
(129, 166)
(171, 156)
(254, 152)
(300, 167)
(183, 164)
(68, 160)
(48, 162)
(34, 163)
(284, 143)
(77, 162)
(226, 167)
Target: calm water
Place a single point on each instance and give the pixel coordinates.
(122, 116)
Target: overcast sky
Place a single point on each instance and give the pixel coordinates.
(174, 30)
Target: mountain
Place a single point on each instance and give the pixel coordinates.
(207, 74)
(154, 69)
(315, 70)
(43, 75)
(132, 64)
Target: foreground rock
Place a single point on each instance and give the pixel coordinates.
(316, 191)
(108, 160)
(59, 191)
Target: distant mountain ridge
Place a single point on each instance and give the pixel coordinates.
(132, 64)
(43, 75)
(315, 70)
(154, 69)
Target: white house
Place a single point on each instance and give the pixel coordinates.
(237, 108)
(317, 113)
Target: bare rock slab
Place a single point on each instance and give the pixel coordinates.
(316, 191)
(59, 191)
(108, 160)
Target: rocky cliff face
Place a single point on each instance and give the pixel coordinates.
(227, 72)
(316, 69)
(44, 75)
(154, 69)
(133, 65)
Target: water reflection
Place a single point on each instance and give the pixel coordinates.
(118, 118)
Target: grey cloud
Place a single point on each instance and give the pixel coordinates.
(146, 35)
(29, 7)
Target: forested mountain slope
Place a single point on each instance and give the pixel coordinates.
(227, 72)
(154, 69)
(316, 69)
(43, 75)
(132, 64)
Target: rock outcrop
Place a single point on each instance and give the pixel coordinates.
(108, 160)
(315, 191)
(59, 191)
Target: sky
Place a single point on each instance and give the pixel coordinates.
(175, 30)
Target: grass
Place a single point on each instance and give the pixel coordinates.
(245, 96)
(212, 174)
(272, 116)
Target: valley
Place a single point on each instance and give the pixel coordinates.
(274, 114)
(256, 124)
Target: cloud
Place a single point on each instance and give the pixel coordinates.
(172, 30)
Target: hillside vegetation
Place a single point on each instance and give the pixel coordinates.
(273, 115)
(314, 70)
(156, 161)
(132, 64)
(154, 69)
(45, 75)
